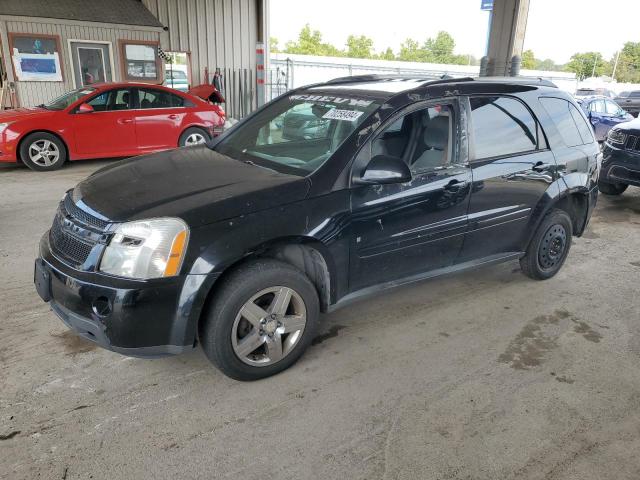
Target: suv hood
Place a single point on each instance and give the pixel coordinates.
(196, 184)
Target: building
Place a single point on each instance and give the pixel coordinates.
(52, 46)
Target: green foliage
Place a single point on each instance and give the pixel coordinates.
(359, 47)
(273, 45)
(440, 48)
(589, 64)
(386, 55)
(628, 69)
(310, 43)
(528, 60)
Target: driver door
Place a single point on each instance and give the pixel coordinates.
(110, 129)
(407, 229)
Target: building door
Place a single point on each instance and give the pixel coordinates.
(91, 62)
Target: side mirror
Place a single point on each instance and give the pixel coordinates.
(385, 169)
(85, 108)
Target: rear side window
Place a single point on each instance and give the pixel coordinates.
(568, 120)
(635, 94)
(152, 98)
(502, 126)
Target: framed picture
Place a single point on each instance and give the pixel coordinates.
(36, 57)
(140, 61)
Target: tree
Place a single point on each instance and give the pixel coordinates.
(359, 47)
(273, 45)
(441, 47)
(310, 43)
(411, 51)
(587, 64)
(387, 54)
(628, 69)
(528, 60)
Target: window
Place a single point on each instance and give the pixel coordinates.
(152, 98)
(68, 98)
(421, 138)
(502, 126)
(111, 100)
(297, 133)
(570, 123)
(597, 106)
(612, 108)
(635, 94)
(140, 61)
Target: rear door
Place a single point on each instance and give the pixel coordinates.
(108, 130)
(512, 167)
(159, 118)
(408, 229)
(598, 118)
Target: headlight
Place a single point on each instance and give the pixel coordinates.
(146, 249)
(616, 137)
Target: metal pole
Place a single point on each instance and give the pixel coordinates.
(615, 66)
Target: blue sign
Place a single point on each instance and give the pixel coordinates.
(486, 5)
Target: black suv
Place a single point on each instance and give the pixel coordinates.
(621, 159)
(242, 242)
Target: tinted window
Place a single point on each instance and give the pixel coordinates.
(563, 116)
(111, 100)
(421, 138)
(502, 126)
(635, 94)
(586, 133)
(152, 98)
(612, 108)
(68, 98)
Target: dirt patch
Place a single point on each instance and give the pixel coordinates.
(529, 348)
(586, 331)
(74, 344)
(635, 264)
(9, 436)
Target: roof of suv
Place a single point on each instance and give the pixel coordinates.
(385, 86)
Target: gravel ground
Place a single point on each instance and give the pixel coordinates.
(485, 375)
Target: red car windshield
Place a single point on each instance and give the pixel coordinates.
(68, 98)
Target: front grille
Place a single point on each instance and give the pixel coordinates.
(75, 232)
(84, 217)
(65, 245)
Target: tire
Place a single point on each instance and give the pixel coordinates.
(549, 246)
(241, 310)
(193, 136)
(611, 188)
(42, 152)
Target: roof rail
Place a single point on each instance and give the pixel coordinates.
(441, 79)
(519, 81)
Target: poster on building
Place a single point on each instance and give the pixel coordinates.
(36, 58)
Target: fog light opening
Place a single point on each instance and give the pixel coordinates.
(102, 306)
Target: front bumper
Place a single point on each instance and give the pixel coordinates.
(620, 166)
(148, 318)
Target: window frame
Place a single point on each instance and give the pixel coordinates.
(122, 46)
(11, 36)
(541, 136)
(580, 111)
(185, 102)
(454, 158)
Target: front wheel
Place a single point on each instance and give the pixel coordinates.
(42, 151)
(611, 188)
(549, 247)
(261, 320)
(193, 136)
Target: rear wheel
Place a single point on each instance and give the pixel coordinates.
(193, 136)
(611, 188)
(42, 151)
(262, 319)
(549, 247)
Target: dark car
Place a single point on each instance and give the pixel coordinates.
(240, 243)
(630, 101)
(604, 114)
(621, 159)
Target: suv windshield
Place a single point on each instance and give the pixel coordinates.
(68, 98)
(297, 133)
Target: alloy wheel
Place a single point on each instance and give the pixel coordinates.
(194, 139)
(44, 153)
(269, 326)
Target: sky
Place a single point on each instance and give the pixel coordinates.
(556, 29)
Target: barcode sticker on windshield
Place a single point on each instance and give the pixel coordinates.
(348, 115)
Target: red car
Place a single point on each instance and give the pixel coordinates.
(106, 120)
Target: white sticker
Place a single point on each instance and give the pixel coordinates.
(348, 115)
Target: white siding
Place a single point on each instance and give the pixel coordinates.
(216, 33)
(34, 93)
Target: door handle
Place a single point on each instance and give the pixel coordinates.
(455, 185)
(541, 167)
(124, 121)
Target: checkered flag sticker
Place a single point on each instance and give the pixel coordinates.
(164, 55)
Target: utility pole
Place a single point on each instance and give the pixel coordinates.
(595, 62)
(615, 66)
